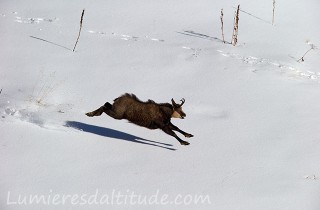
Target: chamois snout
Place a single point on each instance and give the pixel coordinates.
(182, 114)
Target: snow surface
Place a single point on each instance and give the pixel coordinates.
(252, 108)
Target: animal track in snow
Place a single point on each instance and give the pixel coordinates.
(34, 20)
(36, 108)
(154, 39)
(8, 14)
(28, 20)
(45, 116)
(196, 51)
(312, 177)
(126, 37)
(288, 70)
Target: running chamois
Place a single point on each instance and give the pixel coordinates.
(148, 114)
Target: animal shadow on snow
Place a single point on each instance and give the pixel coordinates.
(111, 133)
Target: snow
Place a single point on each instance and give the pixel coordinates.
(253, 108)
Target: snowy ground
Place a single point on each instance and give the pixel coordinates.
(252, 108)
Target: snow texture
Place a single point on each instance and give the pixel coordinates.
(253, 108)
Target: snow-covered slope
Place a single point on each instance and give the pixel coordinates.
(252, 108)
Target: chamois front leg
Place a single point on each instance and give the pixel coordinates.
(175, 128)
(168, 131)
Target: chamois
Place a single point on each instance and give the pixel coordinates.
(148, 114)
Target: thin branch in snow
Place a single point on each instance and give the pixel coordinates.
(312, 47)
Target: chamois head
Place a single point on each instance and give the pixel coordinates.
(177, 109)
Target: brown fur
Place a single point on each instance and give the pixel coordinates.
(148, 114)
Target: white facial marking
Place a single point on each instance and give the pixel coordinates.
(175, 114)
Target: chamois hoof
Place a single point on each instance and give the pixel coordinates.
(184, 143)
(90, 114)
(188, 135)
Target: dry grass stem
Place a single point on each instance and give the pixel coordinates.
(313, 47)
(222, 32)
(79, 30)
(273, 11)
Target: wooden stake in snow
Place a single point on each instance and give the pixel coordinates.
(79, 30)
(221, 18)
(235, 27)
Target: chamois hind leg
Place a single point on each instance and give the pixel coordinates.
(175, 128)
(108, 109)
(168, 131)
(99, 111)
